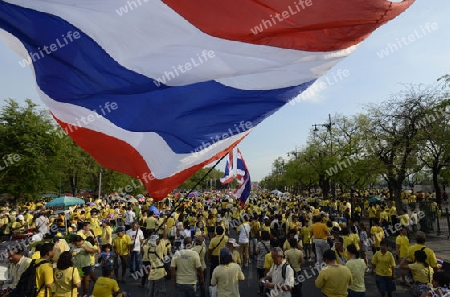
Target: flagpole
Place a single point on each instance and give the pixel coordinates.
(190, 191)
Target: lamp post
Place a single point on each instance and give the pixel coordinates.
(328, 126)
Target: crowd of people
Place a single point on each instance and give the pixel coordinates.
(184, 239)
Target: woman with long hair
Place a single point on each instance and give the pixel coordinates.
(422, 273)
(67, 278)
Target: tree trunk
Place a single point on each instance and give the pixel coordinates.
(437, 189)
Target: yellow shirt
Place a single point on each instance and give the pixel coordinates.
(44, 276)
(186, 263)
(106, 235)
(421, 273)
(378, 234)
(357, 268)
(431, 257)
(201, 250)
(155, 255)
(104, 287)
(293, 257)
(306, 234)
(226, 278)
(384, 263)
(319, 230)
(403, 242)
(268, 261)
(151, 223)
(122, 244)
(334, 280)
(64, 282)
(217, 243)
(237, 257)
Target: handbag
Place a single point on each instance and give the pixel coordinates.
(212, 291)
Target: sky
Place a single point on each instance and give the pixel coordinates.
(372, 73)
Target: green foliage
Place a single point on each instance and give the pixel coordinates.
(402, 140)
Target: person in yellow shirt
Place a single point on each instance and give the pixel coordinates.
(383, 264)
(121, 245)
(422, 273)
(231, 246)
(306, 239)
(105, 286)
(106, 233)
(67, 278)
(215, 245)
(401, 248)
(156, 253)
(420, 245)
(44, 270)
(151, 224)
(377, 234)
(334, 279)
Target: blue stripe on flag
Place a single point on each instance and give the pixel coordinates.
(82, 73)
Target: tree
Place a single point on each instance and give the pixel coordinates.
(393, 134)
(29, 136)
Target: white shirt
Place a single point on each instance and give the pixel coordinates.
(137, 243)
(42, 224)
(244, 233)
(130, 217)
(275, 273)
(16, 270)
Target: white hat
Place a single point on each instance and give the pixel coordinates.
(233, 241)
(153, 239)
(20, 217)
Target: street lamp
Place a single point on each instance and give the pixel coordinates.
(328, 127)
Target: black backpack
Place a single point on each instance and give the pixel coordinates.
(26, 287)
(279, 230)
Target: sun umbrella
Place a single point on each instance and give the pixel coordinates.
(132, 200)
(142, 199)
(193, 194)
(90, 203)
(154, 209)
(374, 199)
(65, 201)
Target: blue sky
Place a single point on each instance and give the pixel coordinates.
(369, 79)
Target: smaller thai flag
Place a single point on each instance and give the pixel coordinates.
(228, 176)
(440, 263)
(243, 192)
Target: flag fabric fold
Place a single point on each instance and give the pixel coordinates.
(159, 89)
(229, 174)
(243, 191)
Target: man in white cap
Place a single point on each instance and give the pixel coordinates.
(157, 285)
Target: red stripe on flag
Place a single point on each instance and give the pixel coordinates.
(324, 25)
(118, 155)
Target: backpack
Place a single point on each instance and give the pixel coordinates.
(283, 270)
(279, 230)
(26, 287)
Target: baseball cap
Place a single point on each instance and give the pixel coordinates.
(153, 239)
(20, 217)
(224, 252)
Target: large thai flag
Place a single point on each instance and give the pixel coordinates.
(158, 89)
(243, 192)
(228, 177)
